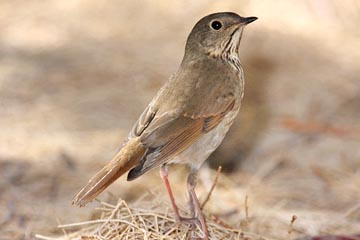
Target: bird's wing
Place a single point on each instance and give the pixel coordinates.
(169, 134)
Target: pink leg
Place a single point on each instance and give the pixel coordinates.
(164, 176)
(194, 201)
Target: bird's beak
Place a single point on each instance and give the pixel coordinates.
(247, 20)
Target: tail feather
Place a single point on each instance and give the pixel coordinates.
(129, 156)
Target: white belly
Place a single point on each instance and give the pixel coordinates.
(197, 153)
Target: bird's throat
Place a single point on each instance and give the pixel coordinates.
(229, 50)
(230, 53)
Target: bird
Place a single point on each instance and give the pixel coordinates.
(189, 116)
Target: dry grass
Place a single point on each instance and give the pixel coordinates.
(151, 221)
(148, 219)
(232, 214)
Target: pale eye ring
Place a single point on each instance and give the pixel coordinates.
(216, 25)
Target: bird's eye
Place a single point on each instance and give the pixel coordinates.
(216, 25)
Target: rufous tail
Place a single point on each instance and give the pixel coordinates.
(128, 156)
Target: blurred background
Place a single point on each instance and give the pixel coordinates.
(75, 75)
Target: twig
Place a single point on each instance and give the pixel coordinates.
(291, 226)
(220, 222)
(313, 127)
(39, 236)
(212, 187)
(353, 209)
(246, 208)
(111, 215)
(95, 222)
(62, 229)
(244, 224)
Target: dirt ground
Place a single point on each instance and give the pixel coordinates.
(75, 75)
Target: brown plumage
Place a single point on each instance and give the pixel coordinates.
(190, 115)
(129, 155)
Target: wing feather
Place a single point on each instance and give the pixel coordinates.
(173, 137)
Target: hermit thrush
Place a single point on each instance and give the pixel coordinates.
(190, 115)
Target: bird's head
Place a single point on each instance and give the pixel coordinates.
(217, 34)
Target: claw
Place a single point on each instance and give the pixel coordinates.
(193, 202)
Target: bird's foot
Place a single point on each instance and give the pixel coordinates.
(191, 223)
